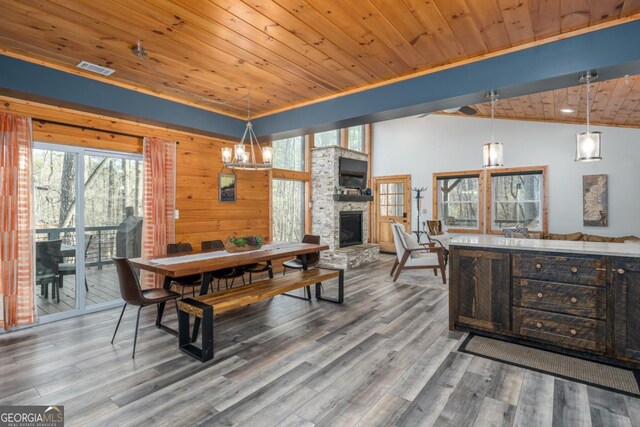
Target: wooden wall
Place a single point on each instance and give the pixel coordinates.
(202, 217)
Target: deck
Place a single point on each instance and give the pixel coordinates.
(103, 287)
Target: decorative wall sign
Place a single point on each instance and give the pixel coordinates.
(595, 203)
(227, 187)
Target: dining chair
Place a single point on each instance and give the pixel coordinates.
(132, 294)
(69, 268)
(225, 273)
(312, 258)
(192, 281)
(47, 260)
(411, 255)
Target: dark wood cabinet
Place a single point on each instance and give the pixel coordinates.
(583, 304)
(625, 284)
(482, 296)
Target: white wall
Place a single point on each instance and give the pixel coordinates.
(438, 143)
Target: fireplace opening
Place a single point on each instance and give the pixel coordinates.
(350, 228)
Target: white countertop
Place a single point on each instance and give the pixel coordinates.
(596, 248)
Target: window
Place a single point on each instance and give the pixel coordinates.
(458, 200)
(517, 199)
(288, 210)
(355, 138)
(289, 153)
(324, 139)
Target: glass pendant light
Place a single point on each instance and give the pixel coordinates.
(588, 144)
(492, 151)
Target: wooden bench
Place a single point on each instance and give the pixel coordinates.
(205, 306)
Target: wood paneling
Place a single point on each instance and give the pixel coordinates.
(288, 52)
(202, 217)
(614, 102)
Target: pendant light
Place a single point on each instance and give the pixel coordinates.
(492, 151)
(243, 156)
(588, 144)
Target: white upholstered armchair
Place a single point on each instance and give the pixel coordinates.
(411, 255)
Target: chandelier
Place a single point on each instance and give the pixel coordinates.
(243, 156)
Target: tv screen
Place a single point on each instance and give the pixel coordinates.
(353, 173)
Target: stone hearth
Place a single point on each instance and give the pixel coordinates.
(326, 211)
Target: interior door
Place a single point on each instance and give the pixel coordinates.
(392, 202)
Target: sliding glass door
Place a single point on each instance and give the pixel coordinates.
(112, 219)
(55, 180)
(88, 209)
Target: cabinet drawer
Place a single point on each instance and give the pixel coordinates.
(577, 300)
(563, 269)
(559, 329)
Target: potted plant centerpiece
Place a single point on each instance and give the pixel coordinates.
(243, 244)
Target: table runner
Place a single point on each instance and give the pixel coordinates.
(218, 254)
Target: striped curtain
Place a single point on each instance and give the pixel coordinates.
(17, 305)
(159, 157)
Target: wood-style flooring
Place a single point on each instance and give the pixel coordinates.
(383, 358)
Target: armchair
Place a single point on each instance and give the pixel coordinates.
(410, 255)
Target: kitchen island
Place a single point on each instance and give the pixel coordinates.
(579, 298)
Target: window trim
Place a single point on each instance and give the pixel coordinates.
(526, 170)
(480, 174)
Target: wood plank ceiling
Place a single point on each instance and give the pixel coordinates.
(613, 102)
(288, 52)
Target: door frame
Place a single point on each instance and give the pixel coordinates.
(81, 307)
(373, 213)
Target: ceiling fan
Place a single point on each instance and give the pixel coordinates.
(465, 109)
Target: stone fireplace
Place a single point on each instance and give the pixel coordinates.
(334, 216)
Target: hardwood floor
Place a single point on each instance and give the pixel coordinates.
(385, 357)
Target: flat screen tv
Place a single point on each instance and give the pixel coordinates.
(353, 173)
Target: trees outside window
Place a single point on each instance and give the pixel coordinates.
(355, 138)
(289, 153)
(287, 210)
(458, 201)
(324, 139)
(517, 199)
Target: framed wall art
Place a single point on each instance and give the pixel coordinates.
(595, 201)
(227, 187)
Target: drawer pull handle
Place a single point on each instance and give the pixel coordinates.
(573, 331)
(539, 294)
(538, 266)
(620, 271)
(538, 325)
(574, 270)
(574, 300)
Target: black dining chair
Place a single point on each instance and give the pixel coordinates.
(258, 268)
(225, 273)
(192, 281)
(132, 294)
(47, 260)
(312, 258)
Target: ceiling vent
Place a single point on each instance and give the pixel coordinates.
(95, 68)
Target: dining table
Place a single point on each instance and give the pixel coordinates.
(207, 262)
